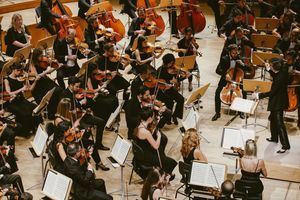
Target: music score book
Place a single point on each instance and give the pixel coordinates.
(244, 105)
(191, 120)
(119, 151)
(233, 137)
(207, 174)
(56, 185)
(39, 141)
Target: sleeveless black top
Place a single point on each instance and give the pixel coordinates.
(152, 190)
(253, 176)
(190, 157)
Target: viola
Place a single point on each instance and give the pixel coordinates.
(81, 94)
(238, 150)
(232, 88)
(160, 84)
(44, 62)
(103, 76)
(150, 48)
(191, 16)
(84, 156)
(72, 135)
(152, 16)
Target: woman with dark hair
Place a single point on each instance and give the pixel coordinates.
(285, 25)
(154, 185)
(153, 143)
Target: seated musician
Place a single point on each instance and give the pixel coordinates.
(84, 6)
(41, 66)
(227, 189)
(292, 42)
(47, 16)
(278, 102)
(129, 7)
(16, 84)
(188, 46)
(284, 27)
(155, 185)
(169, 95)
(244, 9)
(144, 99)
(239, 39)
(137, 28)
(17, 35)
(294, 7)
(190, 148)
(297, 71)
(140, 79)
(66, 53)
(85, 185)
(230, 25)
(7, 134)
(62, 123)
(252, 168)
(230, 61)
(87, 120)
(273, 10)
(153, 143)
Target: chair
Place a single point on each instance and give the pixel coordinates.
(138, 162)
(247, 189)
(184, 170)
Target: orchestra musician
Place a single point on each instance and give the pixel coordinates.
(285, 26)
(227, 189)
(295, 7)
(15, 85)
(244, 9)
(215, 6)
(190, 148)
(66, 52)
(47, 16)
(84, 6)
(7, 133)
(87, 119)
(41, 66)
(85, 185)
(292, 42)
(231, 60)
(129, 7)
(278, 101)
(155, 185)
(17, 35)
(171, 95)
(153, 143)
(188, 46)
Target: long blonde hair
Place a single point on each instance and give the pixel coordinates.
(250, 149)
(64, 109)
(14, 19)
(190, 140)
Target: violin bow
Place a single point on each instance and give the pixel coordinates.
(122, 53)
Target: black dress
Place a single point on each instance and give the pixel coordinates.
(152, 190)
(11, 36)
(22, 109)
(189, 159)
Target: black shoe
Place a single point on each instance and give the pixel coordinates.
(172, 177)
(271, 140)
(216, 116)
(103, 167)
(175, 121)
(242, 115)
(103, 148)
(282, 151)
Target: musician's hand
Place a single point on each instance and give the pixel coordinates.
(64, 17)
(2, 112)
(268, 66)
(240, 62)
(7, 165)
(83, 101)
(227, 77)
(29, 37)
(90, 167)
(223, 36)
(72, 57)
(158, 134)
(38, 77)
(140, 32)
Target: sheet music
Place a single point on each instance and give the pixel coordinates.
(243, 105)
(120, 150)
(191, 119)
(50, 180)
(114, 114)
(203, 175)
(236, 137)
(39, 141)
(61, 186)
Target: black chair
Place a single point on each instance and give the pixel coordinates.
(184, 170)
(247, 189)
(138, 162)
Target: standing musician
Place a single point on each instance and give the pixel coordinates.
(86, 186)
(66, 52)
(129, 7)
(215, 6)
(16, 84)
(285, 26)
(230, 25)
(42, 66)
(231, 60)
(84, 6)
(47, 16)
(170, 95)
(188, 46)
(87, 119)
(17, 35)
(278, 101)
(285, 44)
(137, 28)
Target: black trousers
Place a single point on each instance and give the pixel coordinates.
(169, 97)
(278, 128)
(214, 4)
(13, 179)
(49, 27)
(66, 72)
(8, 135)
(97, 192)
(90, 120)
(129, 11)
(87, 143)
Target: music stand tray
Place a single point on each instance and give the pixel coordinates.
(186, 62)
(46, 43)
(264, 41)
(23, 53)
(266, 24)
(85, 65)
(6, 67)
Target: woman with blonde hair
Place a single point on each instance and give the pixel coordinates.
(17, 35)
(190, 148)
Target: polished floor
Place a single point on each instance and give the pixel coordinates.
(283, 167)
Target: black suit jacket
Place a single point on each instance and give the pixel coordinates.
(283, 46)
(278, 96)
(132, 112)
(46, 14)
(82, 178)
(83, 6)
(66, 93)
(232, 40)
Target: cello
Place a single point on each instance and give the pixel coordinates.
(292, 92)
(152, 16)
(62, 25)
(191, 16)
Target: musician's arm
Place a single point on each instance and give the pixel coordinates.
(139, 60)
(61, 151)
(154, 143)
(131, 30)
(263, 168)
(130, 4)
(157, 193)
(274, 32)
(198, 155)
(11, 39)
(47, 10)
(7, 87)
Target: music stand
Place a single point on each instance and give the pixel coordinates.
(43, 104)
(186, 62)
(266, 24)
(85, 65)
(23, 53)
(250, 85)
(46, 43)
(265, 42)
(151, 39)
(7, 65)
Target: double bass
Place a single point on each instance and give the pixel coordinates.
(62, 25)
(292, 92)
(152, 16)
(191, 16)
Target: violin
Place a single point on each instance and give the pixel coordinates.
(238, 150)
(160, 84)
(181, 73)
(72, 135)
(44, 62)
(103, 76)
(116, 57)
(292, 93)
(81, 94)
(150, 48)
(5, 96)
(84, 156)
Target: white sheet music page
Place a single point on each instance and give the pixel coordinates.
(191, 119)
(231, 137)
(49, 185)
(243, 105)
(199, 173)
(62, 186)
(246, 134)
(120, 150)
(39, 141)
(216, 175)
